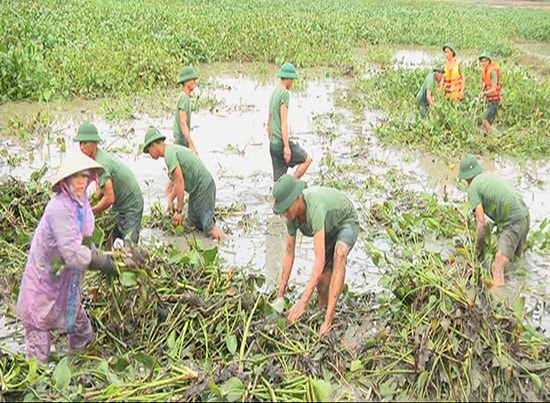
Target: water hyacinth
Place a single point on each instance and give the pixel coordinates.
(176, 326)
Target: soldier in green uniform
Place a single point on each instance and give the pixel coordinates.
(182, 116)
(188, 174)
(284, 153)
(492, 196)
(119, 187)
(425, 96)
(330, 218)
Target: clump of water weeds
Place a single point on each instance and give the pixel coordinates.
(176, 325)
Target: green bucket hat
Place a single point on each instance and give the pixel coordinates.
(87, 132)
(286, 190)
(153, 134)
(448, 45)
(186, 74)
(485, 55)
(287, 71)
(438, 68)
(469, 167)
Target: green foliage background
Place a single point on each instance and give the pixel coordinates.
(107, 47)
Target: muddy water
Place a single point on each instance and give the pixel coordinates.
(539, 49)
(418, 57)
(233, 144)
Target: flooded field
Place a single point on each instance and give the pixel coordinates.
(232, 142)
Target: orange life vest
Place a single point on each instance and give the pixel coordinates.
(486, 78)
(452, 79)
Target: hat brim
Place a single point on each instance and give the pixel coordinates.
(283, 205)
(471, 173)
(182, 80)
(88, 137)
(73, 164)
(146, 146)
(291, 76)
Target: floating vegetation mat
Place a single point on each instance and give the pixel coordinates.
(176, 325)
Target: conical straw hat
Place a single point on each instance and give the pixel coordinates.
(73, 163)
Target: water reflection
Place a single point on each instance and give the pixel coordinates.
(414, 58)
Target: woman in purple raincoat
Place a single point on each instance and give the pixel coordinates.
(44, 294)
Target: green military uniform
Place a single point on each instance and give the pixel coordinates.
(198, 183)
(128, 203)
(279, 97)
(184, 104)
(330, 209)
(422, 95)
(505, 207)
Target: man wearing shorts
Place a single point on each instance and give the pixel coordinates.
(284, 153)
(188, 173)
(492, 81)
(330, 218)
(491, 195)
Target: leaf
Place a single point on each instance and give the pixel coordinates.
(62, 374)
(210, 255)
(321, 388)
(120, 364)
(98, 237)
(355, 365)
(177, 258)
(233, 389)
(194, 257)
(536, 380)
(171, 341)
(422, 378)
(231, 342)
(146, 360)
(387, 389)
(519, 305)
(278, 305)
(215, 388)
(128, 279)
(33, 367)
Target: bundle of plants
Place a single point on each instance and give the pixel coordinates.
(447, 337)
(170, 325)
(22, 204)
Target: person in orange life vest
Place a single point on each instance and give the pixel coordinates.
(453, 76)
(492, 81)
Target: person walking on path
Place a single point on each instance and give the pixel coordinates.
(491, 82)
(187, 173)
(492, 196)
(182, 116)
(454, 79)
(59, 243)
(425, 96)
(284, 153)
(119, 187)
(330, 218)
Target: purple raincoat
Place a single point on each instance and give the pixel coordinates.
(44, 295)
